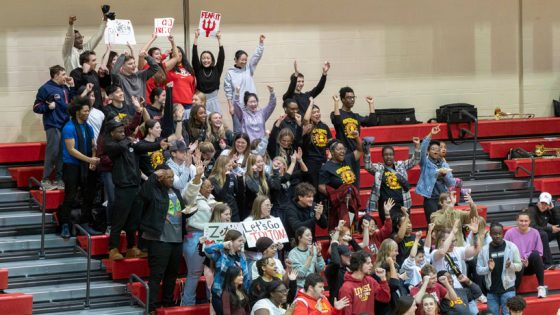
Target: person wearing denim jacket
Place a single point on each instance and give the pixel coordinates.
(510, 261)
(435, 174)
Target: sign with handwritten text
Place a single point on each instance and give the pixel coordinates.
(209, 23)
(272, 228)
(163, 26)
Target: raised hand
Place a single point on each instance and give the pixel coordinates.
(473, 226)
(340, 304)
(311, 250)
(89, 87)
(336, 98)
(389, 261)
(456, 225)
(416, 141)
(369, 100)
(262, 38)
(298, 119)
(418, 235)
(171, 39)
(425, 279)
(164, 144)
(318, 210)
(388, 205)
(340, 225)
(319, 247)
(468, 198)
(86, 67)
(381, 273)
(227, 245)
(72, 19)
(326, 67)
(296, 71)
(435, 130)
(196, 33)
(292, 274)
(270, 89)
(365, 224)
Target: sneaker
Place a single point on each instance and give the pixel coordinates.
(115, 255)
(65, 233)
(47, 185)
(482, 299)
(58, 184)
(541, 291)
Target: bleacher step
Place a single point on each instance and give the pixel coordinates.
(481, 165)
(71, 291)
(506, 205)
(502, 184)
(33, 242)
(17, 218)
(13, 194)
(121, 310)
(48, 266)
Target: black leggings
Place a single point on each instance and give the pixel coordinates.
(535, 267)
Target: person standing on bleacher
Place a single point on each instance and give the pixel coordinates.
(52, 102)
(545, 219)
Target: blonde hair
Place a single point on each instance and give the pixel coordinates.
(217, 211)
(251, 160)
(207, 147)
(384, 252)
(219, 171)
(202, 97)
(257, 204)
(215, 136)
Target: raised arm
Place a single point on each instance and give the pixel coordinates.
(267, 111)
(171, 63)
(69, 39)
(410, 163)
(118, 64)
(221, 54)
(96, 38)
(292, 86)
(144, 49)
(359, 151)
(256, 57)
(321, 84)
(439, 253)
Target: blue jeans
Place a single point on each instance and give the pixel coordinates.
(195, 267)
(497, 301)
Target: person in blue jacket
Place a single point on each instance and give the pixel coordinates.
(52, 102)
(435, 174)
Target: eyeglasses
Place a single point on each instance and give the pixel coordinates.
(282, 291)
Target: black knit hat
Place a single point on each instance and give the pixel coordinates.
(263, 243)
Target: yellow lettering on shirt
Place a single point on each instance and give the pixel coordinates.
(391, 180)
(346, 174)
(156, 158)
(363, 292)
(350, 125)
(319, 137)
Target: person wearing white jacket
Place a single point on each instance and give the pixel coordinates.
(241, 75)
(204, 203)
(74, 43)
(498, 262)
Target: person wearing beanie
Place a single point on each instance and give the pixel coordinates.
(545, 218)
(335, 271)
(268, 249)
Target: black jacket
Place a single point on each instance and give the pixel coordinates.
(124, 154)
(298, 216)
(335, 272)
(544, 221)
(229, 193)
(155, 203)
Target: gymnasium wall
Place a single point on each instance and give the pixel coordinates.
(404, 53)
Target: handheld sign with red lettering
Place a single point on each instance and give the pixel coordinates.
(163, 26)
(209, 23)
(272, 228)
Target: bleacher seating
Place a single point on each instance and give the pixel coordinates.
(551, 185)
(543, 166)
(21, 174)
(16, 304)
(499, 149)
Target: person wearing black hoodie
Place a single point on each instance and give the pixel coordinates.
(126, 177)
(302, 211)
(340, 260)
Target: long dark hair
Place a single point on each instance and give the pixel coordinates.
(404, 303)
(229, 287)
(184, 62)
(213, 63)
(195, 131)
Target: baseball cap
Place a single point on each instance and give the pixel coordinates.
(178, 145)
(546, 198)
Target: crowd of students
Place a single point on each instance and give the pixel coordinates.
(148, 129)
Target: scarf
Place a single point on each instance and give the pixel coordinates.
(84, 145)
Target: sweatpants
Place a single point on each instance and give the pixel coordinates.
(546, 237)
(163, 259)
(53, 154)
(72, 181)
(535, 267)
(126, 215)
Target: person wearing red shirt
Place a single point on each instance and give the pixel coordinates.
(184, 82)
(311, 300)
(360, 288)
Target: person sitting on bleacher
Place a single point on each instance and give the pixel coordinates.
(545, 219)
(529, 243)
(498, 262)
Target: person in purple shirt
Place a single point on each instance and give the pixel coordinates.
(529, 243)
(252, 117)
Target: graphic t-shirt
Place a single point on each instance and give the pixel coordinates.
(335, 174)
(390, 188)
(315, 143)
(124, 114)
(151, 160)
(172, 228)
(458, 258)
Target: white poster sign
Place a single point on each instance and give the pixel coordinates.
(209, 23)
(119, 32)
(163, 26)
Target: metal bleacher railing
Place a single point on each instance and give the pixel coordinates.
(531, 174)
(33, 182)
(80, 229)
(134, 298)
(475, 139)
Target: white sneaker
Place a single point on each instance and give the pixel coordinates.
(58, 184)
(541, 291)
(482, 299)
(47, 185)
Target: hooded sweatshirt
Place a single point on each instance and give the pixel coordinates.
(243, 77)
(362, 294)
(61, 96)
(308, 305)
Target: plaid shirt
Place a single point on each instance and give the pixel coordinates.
(224, 260)
(376, 169)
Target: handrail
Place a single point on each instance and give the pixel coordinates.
(475, 140)
(138, 300)
(43, 205)
(530, 173)
(88, 253)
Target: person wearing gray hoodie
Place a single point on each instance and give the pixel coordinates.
(241, 75)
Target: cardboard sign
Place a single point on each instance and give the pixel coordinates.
(119, 32)
(215, 232)
(272, 228)
(163, 26)
(209, 23)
